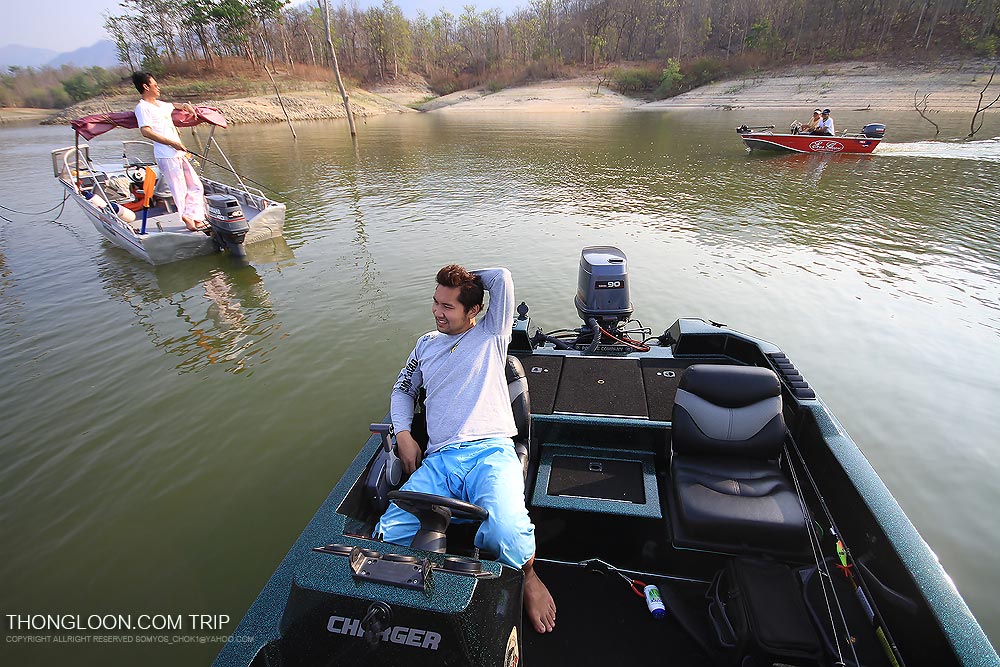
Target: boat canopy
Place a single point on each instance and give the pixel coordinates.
(97, 124)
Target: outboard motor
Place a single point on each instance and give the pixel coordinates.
(602, 292)
(874, 130)
(229, 225)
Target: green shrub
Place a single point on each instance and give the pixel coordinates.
(635, 79)
(494, 86)
(704, 70)
(986, 46)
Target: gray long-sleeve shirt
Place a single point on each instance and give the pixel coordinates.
(463, 375)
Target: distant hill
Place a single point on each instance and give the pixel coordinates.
(24, 56)
(102, 54)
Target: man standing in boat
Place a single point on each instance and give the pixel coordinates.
(156, 124)
(470, 454)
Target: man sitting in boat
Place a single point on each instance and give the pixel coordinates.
(813, 124)
(825, 126)
(470, 454)
(156, 124)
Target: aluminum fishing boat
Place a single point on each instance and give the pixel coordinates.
(132, 207)
(763, 138)
(698, 461)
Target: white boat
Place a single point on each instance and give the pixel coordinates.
(132, 207)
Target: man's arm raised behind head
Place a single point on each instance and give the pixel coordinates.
(500, 313)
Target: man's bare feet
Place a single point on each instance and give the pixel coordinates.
(538, 602)
(194, 225)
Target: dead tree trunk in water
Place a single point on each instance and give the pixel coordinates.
(336, 68)
(921, 108)
(980, 109)
(278, 93)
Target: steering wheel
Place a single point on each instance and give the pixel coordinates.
(415, 502)
(136, 173)
(435, 513)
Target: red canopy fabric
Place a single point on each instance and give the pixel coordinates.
(97, 124)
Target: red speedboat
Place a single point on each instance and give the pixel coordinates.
(765, 139)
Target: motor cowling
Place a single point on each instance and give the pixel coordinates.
(229, 225)
(874, 130)
(602, 291)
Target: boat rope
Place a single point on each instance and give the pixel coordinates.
(48, 210)
(61, 206)
(881, 630)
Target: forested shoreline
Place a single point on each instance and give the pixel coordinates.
(660, 47)
(380, 42)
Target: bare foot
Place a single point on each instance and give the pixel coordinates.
(191, 225)
(538, 602)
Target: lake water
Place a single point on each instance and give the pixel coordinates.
(167, 433)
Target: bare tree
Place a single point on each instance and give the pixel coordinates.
(980, 109)
(336, 68)
(921, 108)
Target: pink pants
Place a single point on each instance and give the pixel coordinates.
(185, 186)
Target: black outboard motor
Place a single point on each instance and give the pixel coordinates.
(874, 130)
(229, 225)
(602, 291)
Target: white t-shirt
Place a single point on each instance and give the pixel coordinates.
(826, 124)
(157, 118)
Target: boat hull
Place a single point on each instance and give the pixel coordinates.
(164, 247)
(807, 143)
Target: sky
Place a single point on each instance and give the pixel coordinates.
(65, 25)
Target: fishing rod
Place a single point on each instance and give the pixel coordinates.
(847, 563)
(823, 571)
(201, 156)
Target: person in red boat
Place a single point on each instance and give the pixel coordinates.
(156, 124)
(810, 127)
(825, 126)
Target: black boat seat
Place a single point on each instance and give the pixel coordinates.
(728, 492)
(520, 405)
(379, 481)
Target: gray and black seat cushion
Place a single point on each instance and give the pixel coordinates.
(520, 405)
(728, 492)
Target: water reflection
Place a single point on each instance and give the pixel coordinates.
(371, 301)
(207, 311)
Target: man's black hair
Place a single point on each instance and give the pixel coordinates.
(140, 79)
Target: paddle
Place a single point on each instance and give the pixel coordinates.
(148, 183)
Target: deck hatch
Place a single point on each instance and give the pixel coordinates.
(599, 478)
(601, 386)
(603, 480)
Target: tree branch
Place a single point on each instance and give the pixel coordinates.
(921, 108)
(980, 109)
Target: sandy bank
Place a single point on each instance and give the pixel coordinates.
(21, 114)
(842, 86)
(301, 105)
(847, 86)
(560, 96)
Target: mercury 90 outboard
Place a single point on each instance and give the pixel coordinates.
(229, 225)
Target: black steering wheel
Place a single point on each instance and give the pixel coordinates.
(415, 502)
(435, 513)
(136, 173)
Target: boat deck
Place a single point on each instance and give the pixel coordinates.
(608, 624)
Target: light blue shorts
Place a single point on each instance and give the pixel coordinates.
(484, 472)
